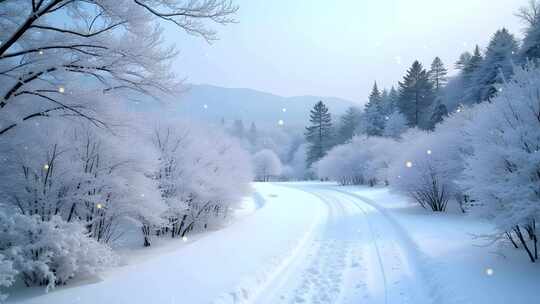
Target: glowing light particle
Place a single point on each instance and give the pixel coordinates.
(284, 110)
(281, 122)
(99, 206)
(205, 106)
(184, 238)
(489, 271)
(409, 164)
(46, 167)
(429, 152)
(61, 90)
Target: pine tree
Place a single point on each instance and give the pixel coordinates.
(438, 74)
(252, 134)
(463, 61)
(496, 66)
(416, 96)
(393, 99)
(374, 113)
(348, 124)
(472, 65)
(319, 133)
(468, 75)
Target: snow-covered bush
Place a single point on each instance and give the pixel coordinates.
(203, 174)
(266, 165)
(7, 275)
(343, 164)
(382, 152)
(81, 175)
(396, 124)
(430, 163)
(503, 175)
(363, 160)
(49, 252)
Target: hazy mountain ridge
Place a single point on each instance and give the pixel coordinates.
(213, 103)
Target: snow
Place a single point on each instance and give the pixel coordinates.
(320, 243)
(457, 258)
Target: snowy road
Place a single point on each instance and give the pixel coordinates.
(301, 243)
(358, 255)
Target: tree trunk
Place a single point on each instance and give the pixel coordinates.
(524, 243)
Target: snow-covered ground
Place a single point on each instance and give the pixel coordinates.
(318, 243)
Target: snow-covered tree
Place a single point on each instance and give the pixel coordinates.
(111, 46)
(496, 66)
(347, 125)
(396, 124)
(530, 47)
(363, 160)
(468, 74)
(373, 113)
(346, 163)
(416, 96)
(389, 101)
(463, 61)
(319, 133)
(203, 174)
(266, 165)
(503, 174)
(438, 74)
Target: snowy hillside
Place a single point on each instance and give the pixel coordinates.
(212, 104)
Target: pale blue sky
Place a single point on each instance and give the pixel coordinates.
(338, 48)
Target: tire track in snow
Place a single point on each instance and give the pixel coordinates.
(413, 255)
(374, 241)
(322, 280)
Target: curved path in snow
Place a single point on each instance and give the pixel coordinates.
(359, 255)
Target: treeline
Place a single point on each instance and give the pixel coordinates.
(472, 139)
(79, 169)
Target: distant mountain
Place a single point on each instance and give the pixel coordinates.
(212, 104)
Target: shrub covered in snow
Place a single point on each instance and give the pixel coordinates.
(48, 252)
(266, 165)
(203, 174)
(7, 275)
(358, 162)
(430, 164)
(503, 175)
